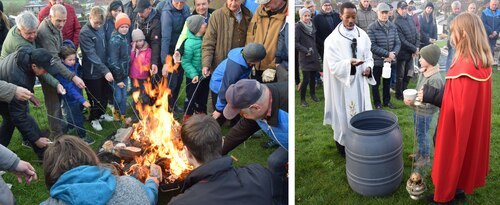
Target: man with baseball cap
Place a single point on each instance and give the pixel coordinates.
(21, 68)
(237, 66)
(261, 106)
(409, 48)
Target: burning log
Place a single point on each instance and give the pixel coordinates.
(129, 153)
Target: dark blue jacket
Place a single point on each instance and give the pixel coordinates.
(172, 22)
(428, 30)
(228, 72)
(407, 35)
(383, 41)
(93, 46)
(73, 92)
(119, 57)
(325, 23)
(218, 182)
(491, 20)
(282, 51)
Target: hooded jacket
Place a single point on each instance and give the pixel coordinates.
(191, 59)
(491, 21)
(90, 185)
(218, 182)
(73, 92)
(264, 29)
(229, 71)
(119, 57)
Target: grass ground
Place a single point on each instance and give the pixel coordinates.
(247, 153)
(320, 171)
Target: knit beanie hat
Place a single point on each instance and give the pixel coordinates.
(429, 4)
(194, 23)
(302, 11)
(138, 35)
(254, 52)
(325, 2)
(431, 54)
(115, 5)
(121, 18)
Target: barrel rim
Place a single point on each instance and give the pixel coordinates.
(377, 131)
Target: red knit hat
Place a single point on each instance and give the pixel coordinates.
(121, 18)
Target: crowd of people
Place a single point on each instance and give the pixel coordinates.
(366, 41)
(229, 52)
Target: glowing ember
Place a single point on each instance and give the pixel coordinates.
(158, 134)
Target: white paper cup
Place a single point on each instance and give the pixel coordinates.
(386, 70)
(410, 94)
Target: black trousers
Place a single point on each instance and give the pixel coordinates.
(197, 101)
(175, 83)
(98, 92)
(308, 78)
(377, 73)
(24, 122)
(402, 78)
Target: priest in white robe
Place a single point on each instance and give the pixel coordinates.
(347, 70)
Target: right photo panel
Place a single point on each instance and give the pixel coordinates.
(395, 102)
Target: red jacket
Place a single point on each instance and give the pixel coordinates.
(72, 27)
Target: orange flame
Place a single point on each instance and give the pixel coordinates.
(158, 131)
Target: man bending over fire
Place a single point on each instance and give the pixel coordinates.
(214, 179)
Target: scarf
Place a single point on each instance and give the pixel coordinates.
(308, 27)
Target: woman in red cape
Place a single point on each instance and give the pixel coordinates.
(462, 146)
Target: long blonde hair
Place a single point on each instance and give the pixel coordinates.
(5, 20)
(470, 39)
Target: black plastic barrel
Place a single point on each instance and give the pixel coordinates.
(374, 160)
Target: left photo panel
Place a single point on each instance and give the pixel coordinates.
(144, 102)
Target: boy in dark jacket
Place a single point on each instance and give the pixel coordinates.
(72, 102)
(196, 86)
(95, 72)
(214, 179)
(119, 64)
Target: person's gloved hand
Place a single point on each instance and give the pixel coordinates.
(268, 75)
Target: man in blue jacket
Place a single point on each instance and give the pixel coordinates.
(491, 20)
(237, 66)
(173, 16)
(261, 106)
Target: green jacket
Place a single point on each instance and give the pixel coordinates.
(13, 42)
(191, 60)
